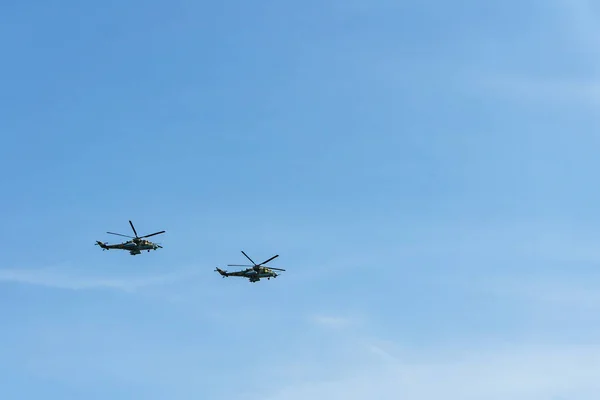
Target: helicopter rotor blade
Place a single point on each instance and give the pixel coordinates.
(237, 265)
(272, 258)
(152, 234)
(248, 257)
(130, 223)
(278, 269)
(118, 234)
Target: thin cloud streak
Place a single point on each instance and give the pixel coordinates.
(61, 279)
(581, 19)
(547, 293)
(544, 90)
(578, 22)
(519, 373)
(332, 321)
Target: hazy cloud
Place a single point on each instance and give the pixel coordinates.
(580, 20)
(543, 90)
(64, 279)
(526, 373)
(332, 321)
(577, 24)
(548, 293)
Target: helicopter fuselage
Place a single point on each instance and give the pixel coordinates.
(251, 274)
(254, 274)
(132, 247)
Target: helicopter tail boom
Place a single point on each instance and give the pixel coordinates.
(220, 271)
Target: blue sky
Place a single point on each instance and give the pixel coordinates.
(425, 170)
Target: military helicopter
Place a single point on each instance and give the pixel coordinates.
(134, 246)
(254, 273)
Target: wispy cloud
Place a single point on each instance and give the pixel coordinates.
(332, 321)
(574, 33)
(64, 279)
(546, 293)
(382, 351)
(580, 20)
(527, 88)
(520, 373)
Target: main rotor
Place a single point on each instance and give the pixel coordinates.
(256, 266)
(137, 239)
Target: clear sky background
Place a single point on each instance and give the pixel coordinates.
(426, 170)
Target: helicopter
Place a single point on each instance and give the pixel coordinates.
(134, 246)
(254, 273)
